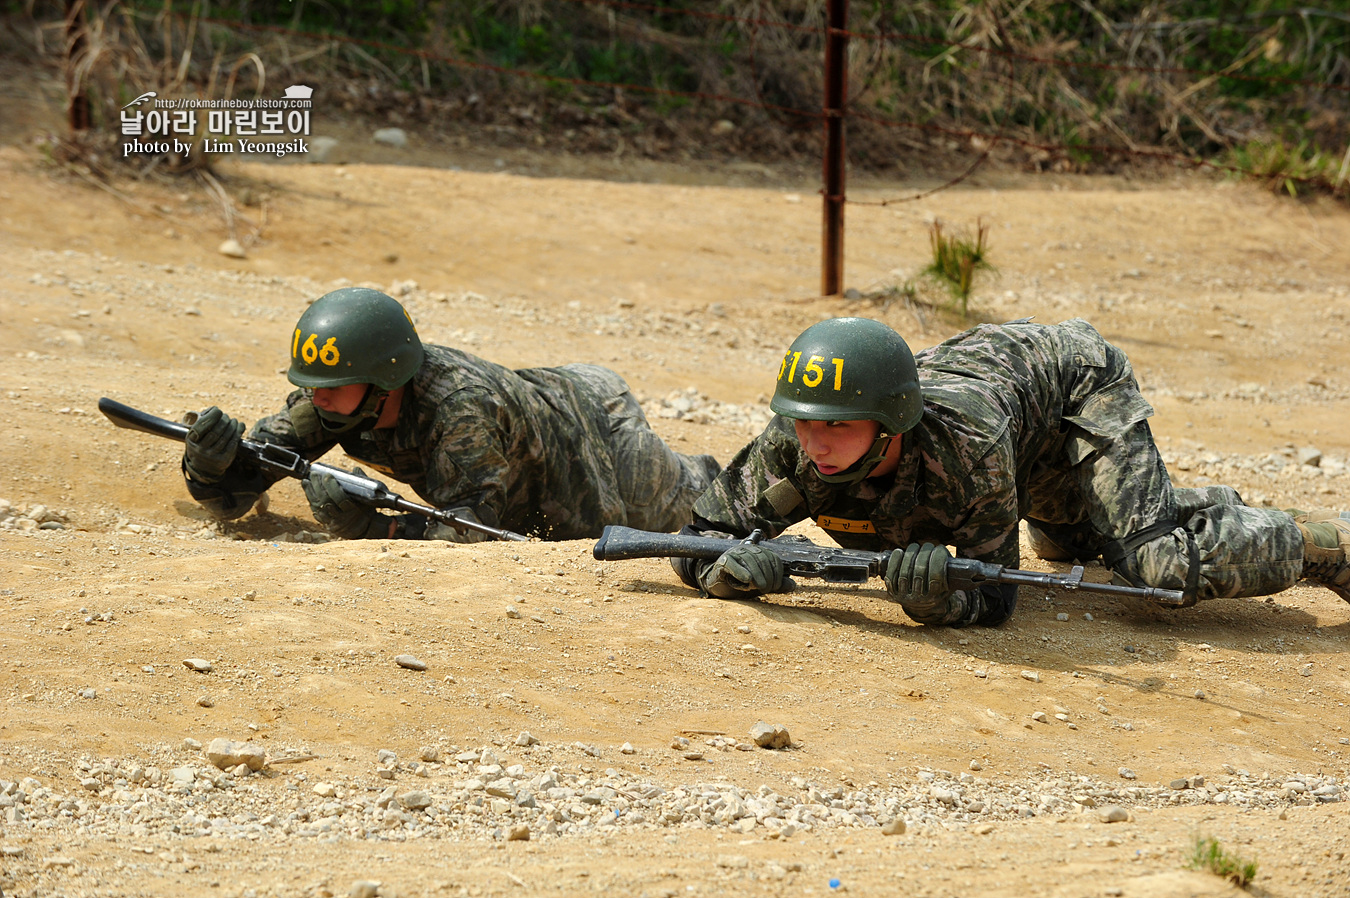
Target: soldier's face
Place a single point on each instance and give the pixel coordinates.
(341, 400)
(834, 445)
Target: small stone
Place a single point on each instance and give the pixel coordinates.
(1306, 670)
(520, 832)
(1087, 616)
(893, 827)
(1031, 675)
(1200, 694)
(693, 756)
(232, 248)
(1113, 813)
(770, 735)
(429, 753)
(976, 765)
(191, 744)
(983, 829)
(321, 148)
(1061, 617)
(525, 740)
(392, 137)
(410, 663)
(415, 800)
(627, 749)
(1039, 717)
(325, 790)
(1179, 784)
(226, 754)
(1127, 774)
(205, 702)
(363, 888)
(512, 612)
(200, 665)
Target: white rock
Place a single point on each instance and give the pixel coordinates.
(393, 137)
(232, 248)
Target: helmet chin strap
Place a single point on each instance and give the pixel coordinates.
(863, 466)
(364, 418)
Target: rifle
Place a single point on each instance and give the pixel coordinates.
(804, 558)
(283, 461)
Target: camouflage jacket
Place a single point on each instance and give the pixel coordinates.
(1006, 409)
(528, 450)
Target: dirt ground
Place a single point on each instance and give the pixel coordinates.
(1231, 302)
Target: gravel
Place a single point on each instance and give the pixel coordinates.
(178, 794)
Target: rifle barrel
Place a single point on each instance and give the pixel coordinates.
(289, 463)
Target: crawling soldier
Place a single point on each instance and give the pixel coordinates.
(953, 448)
(554, 452)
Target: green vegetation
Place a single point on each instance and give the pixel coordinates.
(1208, 855)
(1291, 168)
(956, 258)
(1063, 85)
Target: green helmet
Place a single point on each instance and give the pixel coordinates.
(354, 336)
(850, 369)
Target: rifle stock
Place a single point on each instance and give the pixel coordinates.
(280, 460)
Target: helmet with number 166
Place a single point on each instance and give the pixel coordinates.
(850, 369)
(354, 336)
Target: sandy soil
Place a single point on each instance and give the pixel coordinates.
(1231, 302)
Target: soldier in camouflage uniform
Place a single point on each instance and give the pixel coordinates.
(954, 447)
(554, 452)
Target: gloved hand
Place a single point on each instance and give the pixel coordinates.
(437, 530)
(211, 444)
(917, 579)
(744, 571)
(340, 513)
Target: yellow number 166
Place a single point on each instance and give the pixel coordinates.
(328, 353)
(812, 373)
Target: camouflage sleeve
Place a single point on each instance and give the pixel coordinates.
(988, 531)
(467, 463)
(754, 492)
(296, 427)
(747, 494)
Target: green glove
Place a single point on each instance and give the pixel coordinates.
(211, 444)
(917, 579)
(340, 513)
(743, 571)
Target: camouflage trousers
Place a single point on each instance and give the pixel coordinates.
(658, 485)
(1216, 547)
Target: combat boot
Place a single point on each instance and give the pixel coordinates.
(1326, 538)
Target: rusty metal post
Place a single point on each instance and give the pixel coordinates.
(75, 49)
(836, 93)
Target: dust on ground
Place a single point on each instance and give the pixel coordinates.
(1231, 302)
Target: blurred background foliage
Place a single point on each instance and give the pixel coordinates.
(1067, 85)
